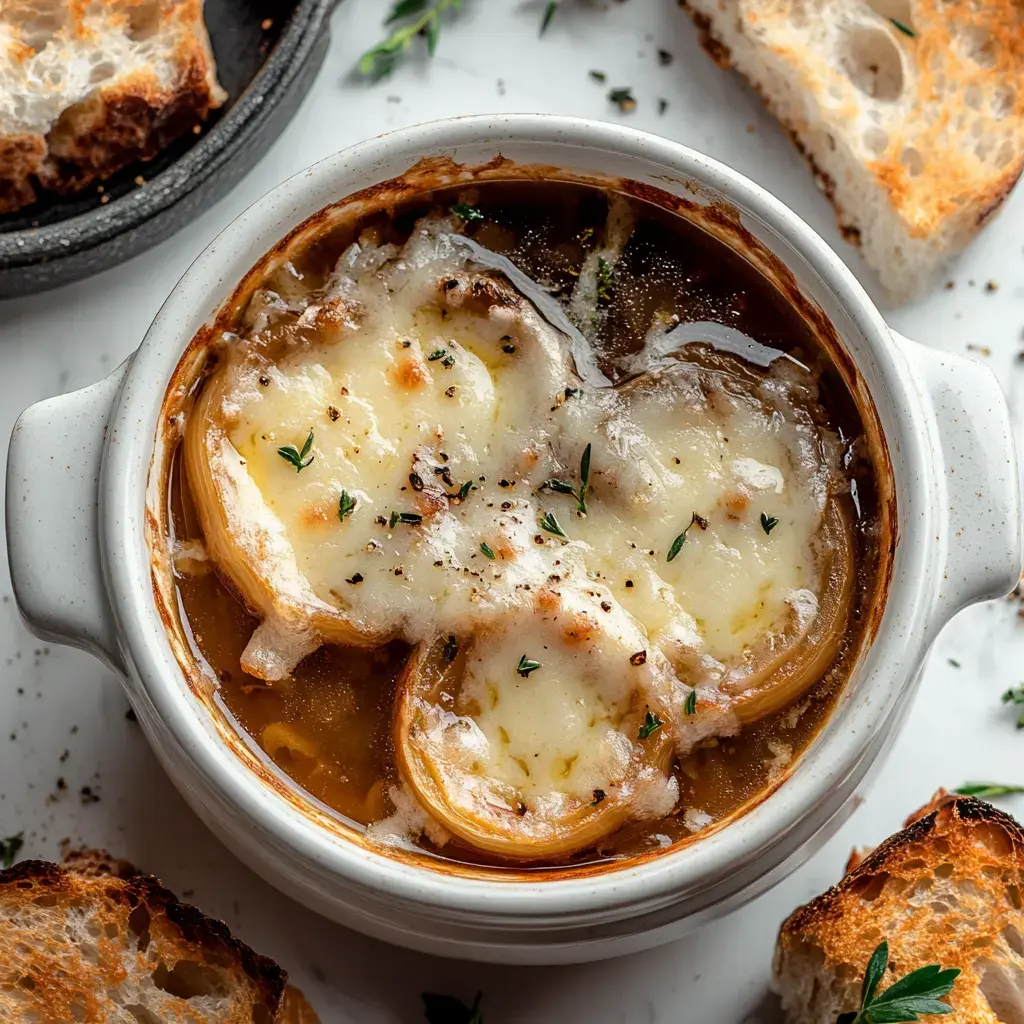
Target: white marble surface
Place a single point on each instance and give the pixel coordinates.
(63, 716)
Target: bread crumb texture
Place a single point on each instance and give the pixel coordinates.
(910, 112)
(96, 943)
(89, 86)
(945, 890)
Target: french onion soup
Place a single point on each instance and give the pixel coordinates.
(525, 524)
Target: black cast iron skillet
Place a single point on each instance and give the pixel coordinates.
(266, 72)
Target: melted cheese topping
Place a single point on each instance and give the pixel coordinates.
(440, 406)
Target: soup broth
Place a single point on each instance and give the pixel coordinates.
(639, 284)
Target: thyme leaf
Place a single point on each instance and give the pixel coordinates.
(409, 518)
(526, 666)
(466, 212)
(486, 549)
(10, 848)
(651, 723)
(346, 505)
(986, 790)
(678, 543)
(295, 456)
(903, 28)
(604, 280)
(550, 523)
(690, 707)
(549, 13)
(768, 523)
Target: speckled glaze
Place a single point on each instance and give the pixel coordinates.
(81, 574)
(35, 259)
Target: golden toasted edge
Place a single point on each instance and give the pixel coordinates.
(925, 211)
(134, 119)
(105, 877)
(943, 830)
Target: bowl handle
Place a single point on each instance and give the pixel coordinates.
(979, 484)
(53, 538)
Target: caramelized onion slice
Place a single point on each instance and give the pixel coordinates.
(449, 763)
(247, 542)
(788, 665)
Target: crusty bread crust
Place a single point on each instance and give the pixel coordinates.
(916, 139)
(164, 86)
(947, 889)
(89, 946)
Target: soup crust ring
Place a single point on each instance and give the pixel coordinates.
(83, 570)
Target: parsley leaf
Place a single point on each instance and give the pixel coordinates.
(526, 666)
(652, 723)
(10, 848)
(912, 997)
(295, 456)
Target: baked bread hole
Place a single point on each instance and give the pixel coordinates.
(912, 160)
(873, 63)
(1002, 101)
(978, 45)
(876, 140)
(1002, 986)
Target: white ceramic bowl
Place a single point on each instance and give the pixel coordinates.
(81, 570)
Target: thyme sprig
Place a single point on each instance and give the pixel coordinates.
(346, 505)
(652, 723)
(564, 487)
(299, 458)
(10, 848)
(551, 524)
(422, 18)
(526, 666)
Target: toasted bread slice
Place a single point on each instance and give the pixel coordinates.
(86, 89)
(909, 111)
(946, 889)
(98, 943)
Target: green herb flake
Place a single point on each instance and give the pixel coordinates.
(486, 549)
(526, 666)
(299, 458)
(448, 1010)
(768, 523)
(604, 280)
(690, 707)
(451, 648)
(903, 28)
(677, 544)
(550, 523)
(409, 518)
(464, 491)
(987, 790)
(10, 848)
(466, 212)
(598, 76)
(623, 98)
(549, 13)
(438, 353)
(346, 505)
(652, 723)
(448, 362)
(914, 996)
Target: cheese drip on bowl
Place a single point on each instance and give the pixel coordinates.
(412, 452)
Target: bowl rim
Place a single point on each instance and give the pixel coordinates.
(885, 675)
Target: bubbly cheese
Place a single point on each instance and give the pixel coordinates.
(404, 454)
